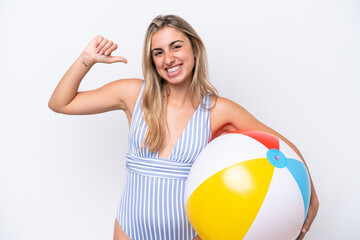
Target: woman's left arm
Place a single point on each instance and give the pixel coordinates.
(228, 116)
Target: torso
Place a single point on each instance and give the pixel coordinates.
(177, 120)
(156, 180)
(178, 117)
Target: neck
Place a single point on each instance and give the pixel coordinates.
(179, 94)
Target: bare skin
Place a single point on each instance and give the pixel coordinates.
(171, 48)
(122, 95)
(119, 234)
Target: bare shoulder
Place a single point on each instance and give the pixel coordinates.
(126, 91)
(130, 86)
(227, 115)
(224, 108)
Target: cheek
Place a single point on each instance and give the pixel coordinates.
(191, 60)
(190, 57)
(157, 64)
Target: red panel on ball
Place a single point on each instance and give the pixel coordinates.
(268, 140)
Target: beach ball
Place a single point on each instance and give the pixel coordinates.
(247, 185)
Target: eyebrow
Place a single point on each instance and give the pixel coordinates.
(172, 43)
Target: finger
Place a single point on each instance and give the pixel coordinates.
(111, 49)
(101, 45)
(97, 40)
(106, 47)
(114, 59)
(307, 224)
(305, 227)
(301, 236)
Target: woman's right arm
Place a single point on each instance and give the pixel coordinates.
(68, 100)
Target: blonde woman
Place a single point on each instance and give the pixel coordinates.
(173, 113)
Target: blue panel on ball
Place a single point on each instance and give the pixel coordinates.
(299, 172)
(276, 158)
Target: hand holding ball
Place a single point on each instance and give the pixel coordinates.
(247, 185)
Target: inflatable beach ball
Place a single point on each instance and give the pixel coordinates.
(247, 185)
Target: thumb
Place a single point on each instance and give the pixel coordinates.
(114, 59)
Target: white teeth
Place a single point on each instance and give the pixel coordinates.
(174, 69)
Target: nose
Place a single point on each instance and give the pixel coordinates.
(169, 59)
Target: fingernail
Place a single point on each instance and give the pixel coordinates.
(97, 51)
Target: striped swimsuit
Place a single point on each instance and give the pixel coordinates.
(152, 203)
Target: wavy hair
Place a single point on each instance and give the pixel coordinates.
(155, 91)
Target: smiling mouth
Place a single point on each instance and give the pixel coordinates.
(174, 69)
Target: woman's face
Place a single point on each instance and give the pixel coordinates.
(173, 55)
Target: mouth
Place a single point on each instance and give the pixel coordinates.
(174, 70)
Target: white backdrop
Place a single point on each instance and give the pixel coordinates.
(293, 64)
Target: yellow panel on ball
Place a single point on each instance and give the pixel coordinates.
(226, 204)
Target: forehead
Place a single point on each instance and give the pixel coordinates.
(165, 36)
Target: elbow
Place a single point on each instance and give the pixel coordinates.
(314, 199)
(54, 108)
(51, 106)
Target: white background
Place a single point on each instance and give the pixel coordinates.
(293, 64)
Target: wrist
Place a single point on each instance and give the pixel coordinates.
(86, 60)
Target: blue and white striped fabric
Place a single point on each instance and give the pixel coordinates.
(152, 203)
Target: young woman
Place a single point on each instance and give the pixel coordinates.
(172, 115)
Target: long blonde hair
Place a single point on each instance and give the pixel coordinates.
(155, 87)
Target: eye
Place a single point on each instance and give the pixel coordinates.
(176, 47)
(157, 53)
